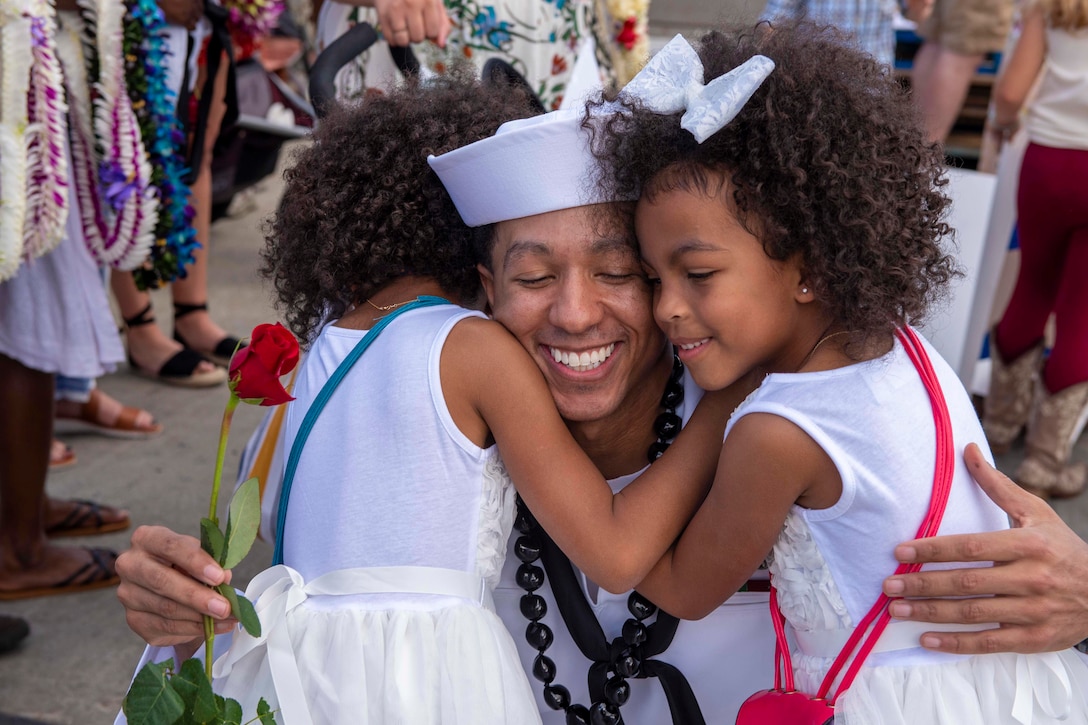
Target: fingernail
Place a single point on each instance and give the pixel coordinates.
(930, 641)
(223, 627)
(894, 586)
(906, 553)
(899, 609)
(213, 575)
(219, 608)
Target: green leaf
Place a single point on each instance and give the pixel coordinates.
(211, 538)
(242, 610)
(231, 712)
(151, 699)
(264, 713)
(242, 523)
(198, 691)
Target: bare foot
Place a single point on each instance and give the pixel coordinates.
(60, 454)
(56, 570)
(106, 415)
(150, 348)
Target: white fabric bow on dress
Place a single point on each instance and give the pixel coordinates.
(672, 81)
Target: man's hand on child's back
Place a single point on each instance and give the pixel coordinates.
(1037, 589)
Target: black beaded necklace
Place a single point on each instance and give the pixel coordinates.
(627, 655)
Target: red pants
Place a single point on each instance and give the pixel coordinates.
(1053, 228)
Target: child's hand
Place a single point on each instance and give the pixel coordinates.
(1037, 591)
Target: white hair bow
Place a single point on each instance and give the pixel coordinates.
(673, 81)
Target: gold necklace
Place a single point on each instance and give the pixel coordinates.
(816, 347)
(386, 308)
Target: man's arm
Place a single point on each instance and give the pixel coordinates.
(1039, 581)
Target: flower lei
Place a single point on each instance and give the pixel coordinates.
(251, 20)
(33, 167)
(117, 203)
(145, 50)
(629, 25)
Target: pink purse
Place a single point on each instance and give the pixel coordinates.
(783, 704)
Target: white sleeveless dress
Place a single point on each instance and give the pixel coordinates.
(383, 614)
(875, 422)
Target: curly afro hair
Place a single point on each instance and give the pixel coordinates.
(827, 161)
(361, 206)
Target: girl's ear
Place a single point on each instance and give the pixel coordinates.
(803, 293)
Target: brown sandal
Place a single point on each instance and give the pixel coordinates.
(98, 573)
(87, 420)
(85, 519)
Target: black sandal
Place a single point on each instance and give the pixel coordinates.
(180, 369)
(224, 349)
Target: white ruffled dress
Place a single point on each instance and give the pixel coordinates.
(874, 420)
(901, 684)
(394, 544)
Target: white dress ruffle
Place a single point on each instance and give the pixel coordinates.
(377, 646)
(907, 685)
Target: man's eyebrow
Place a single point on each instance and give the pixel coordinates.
(610, 245)
(525, 248)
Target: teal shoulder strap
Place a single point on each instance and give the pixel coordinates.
(319, 405)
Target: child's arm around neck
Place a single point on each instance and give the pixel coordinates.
(495, 391)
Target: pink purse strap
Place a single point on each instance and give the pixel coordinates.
(877, 619)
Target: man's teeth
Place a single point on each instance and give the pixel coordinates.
(583, 361)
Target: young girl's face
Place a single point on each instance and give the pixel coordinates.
(726, 306)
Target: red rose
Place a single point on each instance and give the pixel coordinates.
(255, 370)
(627, 36)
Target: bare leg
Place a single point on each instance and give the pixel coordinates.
(27, 560)
(941, 79)
(148, 346)
(197, 328)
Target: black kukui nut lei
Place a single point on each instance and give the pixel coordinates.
(626, 656)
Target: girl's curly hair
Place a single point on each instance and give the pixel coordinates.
(827, 160)
(362, 207)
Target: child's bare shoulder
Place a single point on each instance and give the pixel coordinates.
(485, 339)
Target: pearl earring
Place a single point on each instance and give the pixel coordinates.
(804, 290)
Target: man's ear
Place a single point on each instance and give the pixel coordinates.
(487, 279)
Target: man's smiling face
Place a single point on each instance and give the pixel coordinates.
(577, 300)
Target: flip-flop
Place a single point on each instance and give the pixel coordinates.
(98, 573)
(85, 519)
(88, 421)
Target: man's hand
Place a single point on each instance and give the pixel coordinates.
(413, 21)
(164, 588)
(186, 13)
(1039, 579)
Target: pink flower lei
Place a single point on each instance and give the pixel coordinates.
(33, 166)
(117, 203)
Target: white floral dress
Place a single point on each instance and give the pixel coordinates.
(541, 39)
